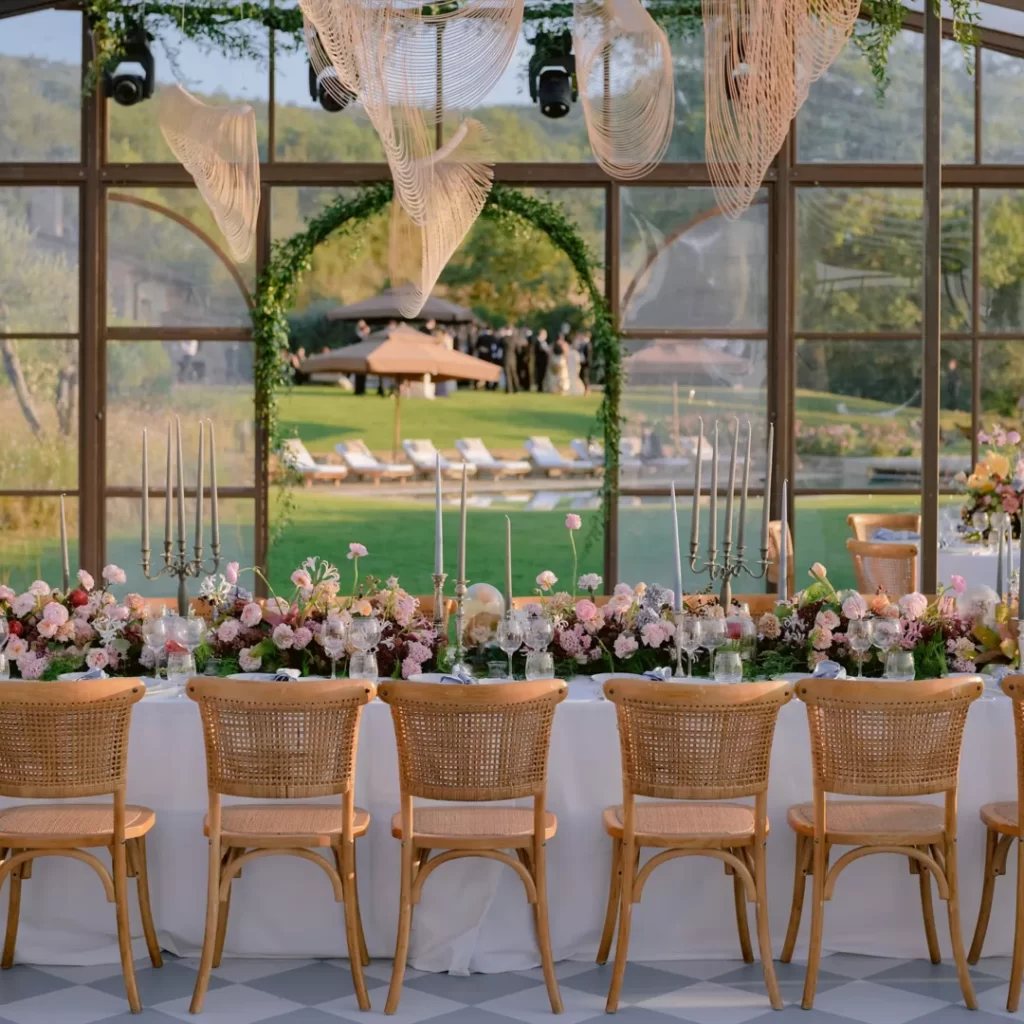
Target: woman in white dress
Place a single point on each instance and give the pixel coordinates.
(556, 381)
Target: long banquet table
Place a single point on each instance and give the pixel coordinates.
(473, 915)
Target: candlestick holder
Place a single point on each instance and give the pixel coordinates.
(181, 567)
(728, 569)
(439, 578)
(459, 666)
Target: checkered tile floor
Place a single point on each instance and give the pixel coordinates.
(868, 990)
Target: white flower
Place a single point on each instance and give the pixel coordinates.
(247, 661)
(112, 574)
(86, 580)
(40, 588)
(546, 580)
(97, 658)
(16, 647)
(23, 604)
(589, 581)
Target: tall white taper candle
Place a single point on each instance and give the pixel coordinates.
(678, 564)
(695, 515)
(784, 545)
(438, 524)
(462, 527)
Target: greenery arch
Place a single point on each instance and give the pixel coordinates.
(518, 212)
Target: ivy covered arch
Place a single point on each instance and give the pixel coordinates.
(510, 207)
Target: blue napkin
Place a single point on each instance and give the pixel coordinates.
(883, 533)
(658, 674)
(93, 673)
(286, 675)
(828, 670)
(462, 677)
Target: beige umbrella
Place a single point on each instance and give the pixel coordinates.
(404, 354)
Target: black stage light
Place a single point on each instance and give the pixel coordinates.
(131, 76)
(553, 74)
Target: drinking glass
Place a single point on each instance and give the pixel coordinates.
(858, 632)
(885, 634)
(689, 639)
(364, 634)
(979, 520)
(192, 631)
(540, 665)
(180, 667)
(729, 667)
(712, 636)
(899, 665)
(538, 634)
(495, 669)
(5, 665)
(333, 637)
(510, 638)
(154, 635)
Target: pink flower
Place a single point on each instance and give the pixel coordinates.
(586, 611)
(818, 571)
(302, 579)
(6, 594)
(283, 636)
(97, 658)
(959, 584)
(231, 573)
(16, 647)
(251, 615)
(623, 590)
(625, 645)
(654, 634)
(247, 661)
(47, 630)
(913, 606)
(356, 551)
(1013, 437)
(66, 631)
(546, 580)
(86, 581)
(821, 639)
(32, 667)
(816, 658)
(879, 603)
(573, 521)
(405, 608)
(23, 604)
(84, 633)
(113, 575)
(40, 588)
(120, 613)
(827, 619)
(136, 604)
(411, 667)
(855, 607)
(769, 626)
(55, 613)
(419, 652)
(229, 629)
(1011, 503)
(301, 638)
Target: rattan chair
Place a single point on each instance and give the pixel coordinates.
(864, 524)
(1002, 827)
(61, 741)
(468, 744)
(882, 739)
(704, 745)
(884, 566)
(774, 550)
(281, 742)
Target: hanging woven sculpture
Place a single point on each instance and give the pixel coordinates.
(626, 83)
(217, 146)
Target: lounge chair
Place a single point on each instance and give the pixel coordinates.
(364, 464)
(295, 455)
(594, 452)
(422, 455)
(547, 458)
(544, 501)
(475, 451)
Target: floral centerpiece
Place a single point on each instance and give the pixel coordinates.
(996, 485)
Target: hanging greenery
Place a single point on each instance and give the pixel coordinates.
(238, 30)
(518, 212)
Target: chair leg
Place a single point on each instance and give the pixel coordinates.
(802, 865)
(955, 934)
(404, 928)
(625, 920)
(13, 914)
(224, 910)
(210, 932)
(611, 914)
(355, 953)
(1017, 970)
(739, 898)
(924, 877)
(364, 952)
(124, 934)
(817, 923)
(987, 892)
(540, 917)
(137, 856)
(764, 942)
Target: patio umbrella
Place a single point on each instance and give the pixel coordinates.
(385, 307)
(691, 362)
(404, 354)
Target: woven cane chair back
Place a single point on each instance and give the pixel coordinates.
(468, 743)
(692, 742)
(62, 740)
(888, 567)
(280, 741)
(864, 524)
(887, 738)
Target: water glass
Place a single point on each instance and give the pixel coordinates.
(728, 667)
(712, 636)
(885, 634)
(510, 638)
(689, 634)
(540, 665)
(332, 635)
(180, 668)
(363, 665)
(859, 633)
(495, 670)
(5, 665)
(899, 665)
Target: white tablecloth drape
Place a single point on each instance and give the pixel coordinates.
(976, 563)
(473, 915)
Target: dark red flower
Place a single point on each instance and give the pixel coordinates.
(15, 628)
(78, 598)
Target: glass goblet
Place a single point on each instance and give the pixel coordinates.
(858, 632)
(510, 638)
(899, 665)
(154, 635)
(713, 635)
(690, 636)
(885, 635)
(333, 637)
(729, 667)
(364, 634)
(538, 634)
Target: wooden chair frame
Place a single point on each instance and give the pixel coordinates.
(743, 860)
(230, 852)
(864, 524)
(998, 842)
(938, 858)
(128, 855)
(882, 551)
(418, 850)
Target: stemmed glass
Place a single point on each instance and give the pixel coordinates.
(365, 635)
(713, 635)
(5, 666)
(154, 634)
(858, 632)
(885, 635)
(688, 637)
(538, 633)
(189, 632)
(510, 638)
(333, 637)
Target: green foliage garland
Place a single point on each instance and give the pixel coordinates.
(519, 212)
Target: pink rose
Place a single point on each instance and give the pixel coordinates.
(302, 579)
(283, 636)
(625, 645)
(546, 580)
(231, 573)
(47, 630)
(23, 604)
(86, 580)
(855, 607)
(66, 632)
(55, 613)
(120, 613)
(586, 611)
(229, 629)
(97, 658)
(573, 521)
(769, 626)
(1011, 503)
(301, 638)
(252, 613)
(959, 584)
(913, 606)
(1013, 437)
(16, 647)
(356, 551)
(879, 603)
(84, 633)
(247, 661)
(114, 575)
(6, 594)
(40, 588)
(827, 619)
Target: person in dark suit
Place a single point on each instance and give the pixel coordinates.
(509, 360)
(482, 349)
(524, 360)
(541, 352)
(584, 347)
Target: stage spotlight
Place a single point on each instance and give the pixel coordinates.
(131, 77)
(553, 74)
(325, 89)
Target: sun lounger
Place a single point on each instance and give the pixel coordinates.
(364, 464)
(422, 455)
(475, 451)
(547, 458)
(544, 501)
(295, 455)
(594, 451)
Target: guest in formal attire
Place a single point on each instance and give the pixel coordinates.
(541, 354)
(584, 348)
(524, 360)
(557, 379)
(509, 363)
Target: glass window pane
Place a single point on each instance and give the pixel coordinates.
(211, 77)
(1002, 259)
(151, 382)
(842, 120)
(124, 540)
(684, 264)
(1002, 86)
(41, 87)
(957, 106)
(30, 539)
(1002, 383)
(38, 260)
(39, 410)
(162, 272)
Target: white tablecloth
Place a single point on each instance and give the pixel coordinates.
(976, 563)
(473, 915)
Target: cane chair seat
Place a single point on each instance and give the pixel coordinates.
(502, 828)
(664, 824)
(294, 824)
(1001, 817)
(873, 823)
(43, 825)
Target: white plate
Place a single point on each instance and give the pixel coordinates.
(268, 677)
(74, 677)
(603, 677)
(438, 677)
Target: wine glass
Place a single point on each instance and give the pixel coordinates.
(712, 637)
(364, 633)
(538, 634)
(858, 632)
(885, 635)
(333, 637)
(154, 635)
(189, 633)
(510, 638)
(689, 635)
(5, 665)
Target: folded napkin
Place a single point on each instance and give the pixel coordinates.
(659, 674)
(93, 673)
(829, 670)
(883, 533)
(286, 675)
(460, 676)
